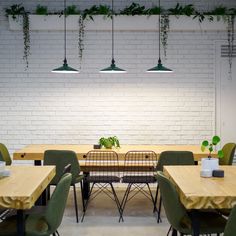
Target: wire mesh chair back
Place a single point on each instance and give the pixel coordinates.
(103, 165)
(140, 166)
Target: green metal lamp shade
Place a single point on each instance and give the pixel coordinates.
(159, 69)
(65, 69)
(113, 69)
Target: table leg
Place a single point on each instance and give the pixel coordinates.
(86, 187)
(37, 162)
(194, 215)
(42, 200)
(20, 223)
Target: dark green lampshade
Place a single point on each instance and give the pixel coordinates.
(65, 69)
(112, 69)
(159, 69)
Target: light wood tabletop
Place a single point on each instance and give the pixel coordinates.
(36, 151)
(203, 193)
(24, 185)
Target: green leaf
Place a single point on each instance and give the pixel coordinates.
(215, 140)
(210, 149)
(203, 148)
(205, 143)
(220, 154)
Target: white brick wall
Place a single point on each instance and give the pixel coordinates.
(37, 106)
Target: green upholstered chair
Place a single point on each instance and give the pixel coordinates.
(172, 158)
(4, 154)
(46, 223)
(177, 215)
(61, 158)
(228, 150)
(230, 228)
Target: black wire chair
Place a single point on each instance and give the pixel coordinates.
(139, 170)
(102, 168)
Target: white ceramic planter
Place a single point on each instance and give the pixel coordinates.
(208, 165)
(124, 23)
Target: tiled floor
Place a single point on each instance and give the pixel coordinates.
(102, 218)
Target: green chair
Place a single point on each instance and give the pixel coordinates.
(228, 150)
(46, 223)
(61, 158)
(177, 215)
(230, 228)
(172, 158)
(4, 154)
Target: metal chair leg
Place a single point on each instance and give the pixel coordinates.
(76, 206)
(124, 200)
(169, 231)
(156, 196)
(82, 195)
(117, 202)
(159, 211)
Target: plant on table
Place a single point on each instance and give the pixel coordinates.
(209, 146)
(109, 142)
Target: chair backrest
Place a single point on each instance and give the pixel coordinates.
(175, 158)
(175, 211)
(140, 163)
(228, 150)
(61, 158)
(4, 154)
(57, 203)
(230, 228)
(102, 163)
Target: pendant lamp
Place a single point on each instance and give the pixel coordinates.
(159, 68)
(112, 68)
(65, 68)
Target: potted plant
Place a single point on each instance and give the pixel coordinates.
(209, 164)
(109, 142)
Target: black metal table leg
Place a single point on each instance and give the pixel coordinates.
(194, 215)
(37, 162)
(42, 200)
(86, 186)
(20, 223)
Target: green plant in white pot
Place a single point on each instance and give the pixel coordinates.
(109, 142)
(209, 164)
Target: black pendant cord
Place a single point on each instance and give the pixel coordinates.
(112, 31)
(159, 60)
(65, 61)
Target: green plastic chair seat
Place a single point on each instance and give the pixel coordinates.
(4, 154)
(228, 150)
(230, 228)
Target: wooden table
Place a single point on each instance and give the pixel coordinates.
(35, 152)
(203, 193)
(23, 187)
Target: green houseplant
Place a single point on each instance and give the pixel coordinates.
(209, 146)
(109, 142)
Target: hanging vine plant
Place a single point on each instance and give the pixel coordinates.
(81, 38)
(230, 28)
(15, 11)
(26, 38)
(165, 27)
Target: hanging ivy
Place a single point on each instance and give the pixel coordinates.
(230, 29)
(81, 38)
(165, 27)
(26, 38)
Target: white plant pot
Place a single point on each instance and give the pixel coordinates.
(208, 165)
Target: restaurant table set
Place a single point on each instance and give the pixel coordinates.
(22, 185)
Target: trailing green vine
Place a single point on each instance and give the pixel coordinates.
(220, 12)
(165, 27)
(81, 38)
(26, 38)
(230, 29)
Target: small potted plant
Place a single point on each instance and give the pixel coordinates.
(209, 164)
(109, 142)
